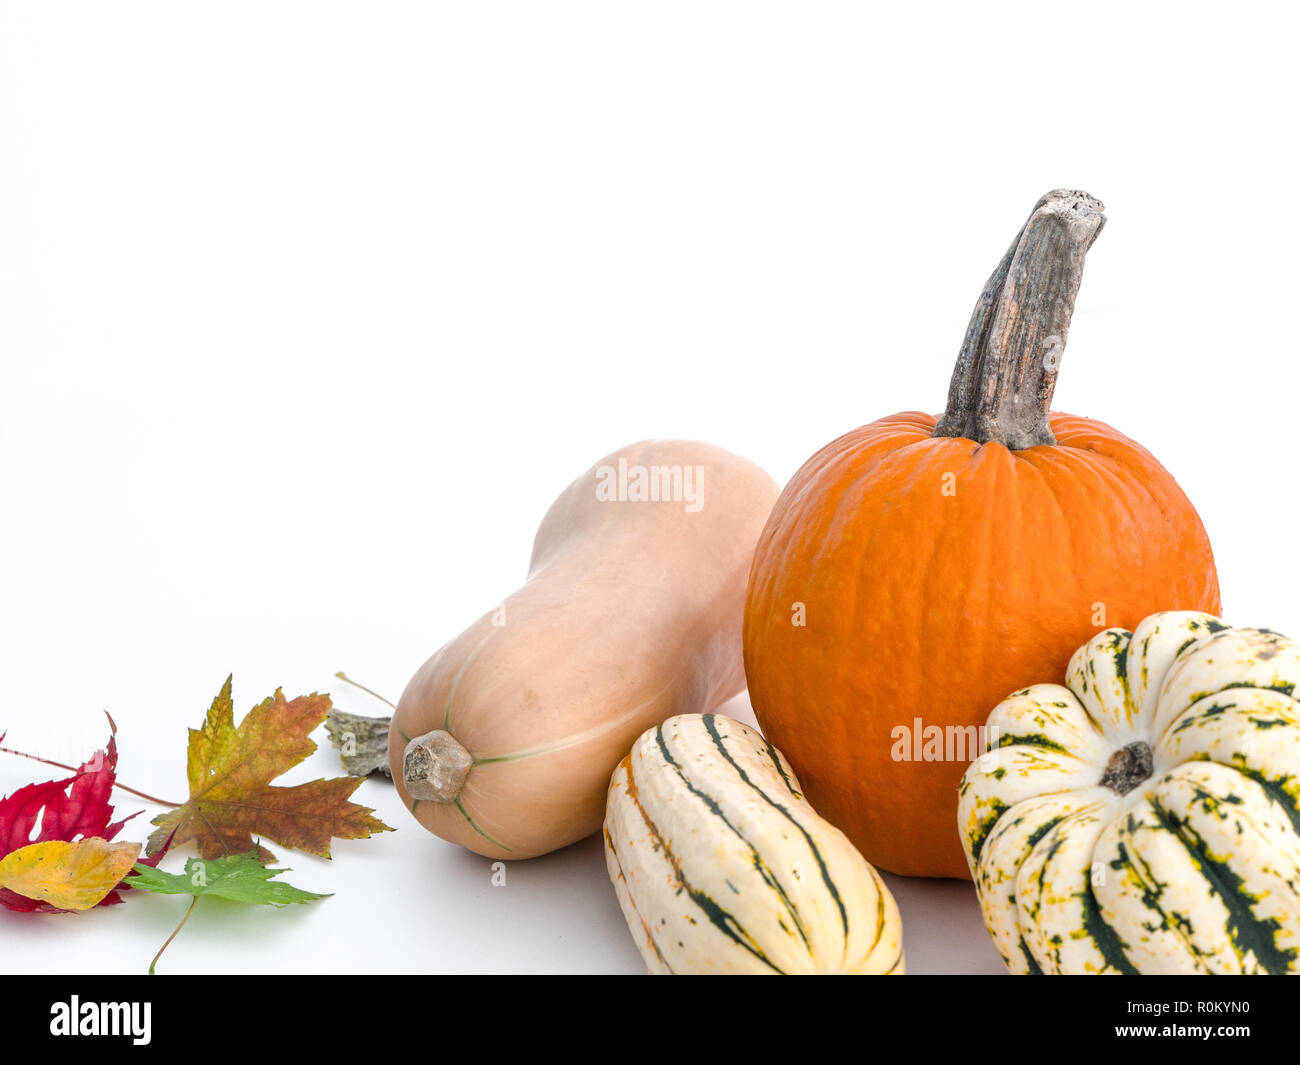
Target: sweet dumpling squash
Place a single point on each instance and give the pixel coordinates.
(1145, 817)
(722, 866)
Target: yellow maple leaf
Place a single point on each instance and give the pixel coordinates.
(232, 799)
(71, 876)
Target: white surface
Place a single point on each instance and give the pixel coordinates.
(407, 902)
(308, 310)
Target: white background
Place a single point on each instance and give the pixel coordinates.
(308, 310)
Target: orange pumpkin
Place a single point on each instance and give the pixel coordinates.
(917, 569)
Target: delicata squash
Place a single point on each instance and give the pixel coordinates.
(722, 866)
(1145, 816)
(505, 739)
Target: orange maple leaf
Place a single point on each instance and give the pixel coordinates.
(231, 795)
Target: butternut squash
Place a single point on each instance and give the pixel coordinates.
(505, 739)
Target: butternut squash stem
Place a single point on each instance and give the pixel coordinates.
(1002, 385)
(435, 767)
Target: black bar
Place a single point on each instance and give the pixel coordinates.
(373, 1014)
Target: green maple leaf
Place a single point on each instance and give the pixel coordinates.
(237, 877)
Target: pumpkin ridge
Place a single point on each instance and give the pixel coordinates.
(1048, 476)
(981, 597)
(1114, 482)
(1110, 473)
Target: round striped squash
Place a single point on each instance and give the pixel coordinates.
(722, 866)
(1145, 817)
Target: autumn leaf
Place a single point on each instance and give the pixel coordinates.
(232, 798)
(238, 877)
(362, 742)
(68, 809)
(69, 876)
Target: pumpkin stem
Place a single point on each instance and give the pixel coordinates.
(435, 766)
(1002, 386)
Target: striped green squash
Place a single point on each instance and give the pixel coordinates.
(722, 866)
(1145, 817)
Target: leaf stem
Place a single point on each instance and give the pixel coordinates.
(173, 935)
(75, 769)
(348, 680)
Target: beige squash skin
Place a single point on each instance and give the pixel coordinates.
(631, 614)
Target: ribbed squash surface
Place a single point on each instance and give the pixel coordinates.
(722, 866)
(1145, 816)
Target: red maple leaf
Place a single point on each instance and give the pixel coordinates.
(75, 807)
